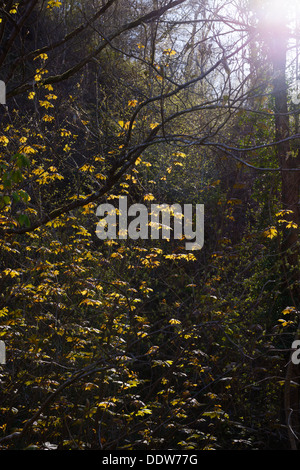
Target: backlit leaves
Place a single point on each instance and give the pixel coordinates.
(271, 232)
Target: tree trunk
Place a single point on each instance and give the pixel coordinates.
(290, 183)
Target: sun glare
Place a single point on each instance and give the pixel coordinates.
(277, 12)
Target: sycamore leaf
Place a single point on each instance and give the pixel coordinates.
(105, 404)
(11, 272)
(46, 104)
(284, 212)
(148, 197)
(90, 302)
(152, 350)
(179, 154)
(284, 322)
(90, 386)
(288, 310)
(48, 118)
(53, 3)
(144, 411)
(4, 140)
(169, 52)
(271, 232)
(291, 225)
(132, 103)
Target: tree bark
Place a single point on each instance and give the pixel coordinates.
(290, 183)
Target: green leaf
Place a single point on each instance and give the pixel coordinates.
(22, 160)
(23, 219)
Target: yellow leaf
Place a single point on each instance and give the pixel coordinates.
(27, 149)
(3, 312)
(125, 125)
(90, 386)
(144, 411)
(11, 272)
(169, 52)
(179, 154)
(271, 232)
(4, 140)
(291, 225)
(283, 322)
(90, 302)
(148, 197)
(152, 350)
(49, 87)
(42, 56)
(46, 104)
(132, 103)
(53, 3)
(48, 118)
(51, 96)
(283, 212)
(288, 310)
(87, 167)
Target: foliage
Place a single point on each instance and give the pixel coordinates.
(138, 344)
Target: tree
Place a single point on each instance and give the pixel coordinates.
(290, 183)
(115, 342)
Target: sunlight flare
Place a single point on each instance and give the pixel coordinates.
(275, 12)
